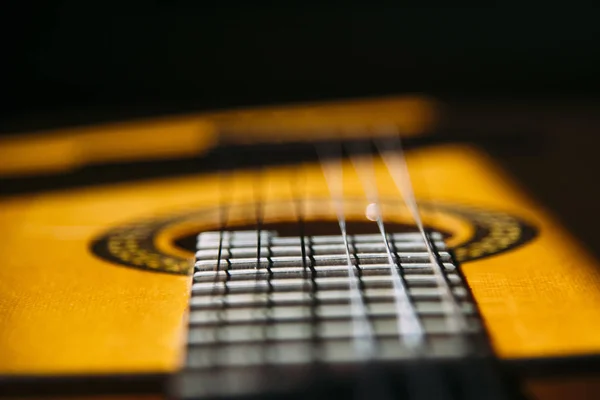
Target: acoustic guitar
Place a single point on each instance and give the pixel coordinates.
(329, 250)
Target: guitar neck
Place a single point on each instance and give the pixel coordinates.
(271, 315)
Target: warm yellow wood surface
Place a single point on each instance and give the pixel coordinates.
(65, 310)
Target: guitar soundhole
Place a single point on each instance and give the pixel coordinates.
(311, 228)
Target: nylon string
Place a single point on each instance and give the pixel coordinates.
(363, 338)
(297, 190)
(410, 330)
(394, 159)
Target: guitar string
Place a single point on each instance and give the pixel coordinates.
(259, 217)
(226, 187)
(363, 338)
(410, 331)
(226, 182)
(333, 171)
(297, 190)
(223, 217)
(392, 154)
(258, 214)
(426, 382)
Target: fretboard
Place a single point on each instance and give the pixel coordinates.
(270, 315)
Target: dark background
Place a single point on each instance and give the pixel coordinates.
(83, 60)
(533, 71)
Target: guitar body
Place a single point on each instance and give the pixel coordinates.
(95, 278)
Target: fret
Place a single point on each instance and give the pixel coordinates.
(299, 352)
(283, 272)
(323, 297)
(328, 259)
(305, 330)
(296, 313)
(322, 283)
(209, 240)
(249, 251)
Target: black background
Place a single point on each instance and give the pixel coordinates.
(79, 61)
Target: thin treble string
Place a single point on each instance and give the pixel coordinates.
(225, 195)
(363, 337)
(299, 210)
(226, 190)
(223, 218)
(410, 331)
(226, 187)
(395, 161)
(259, 217)
(308, 268)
